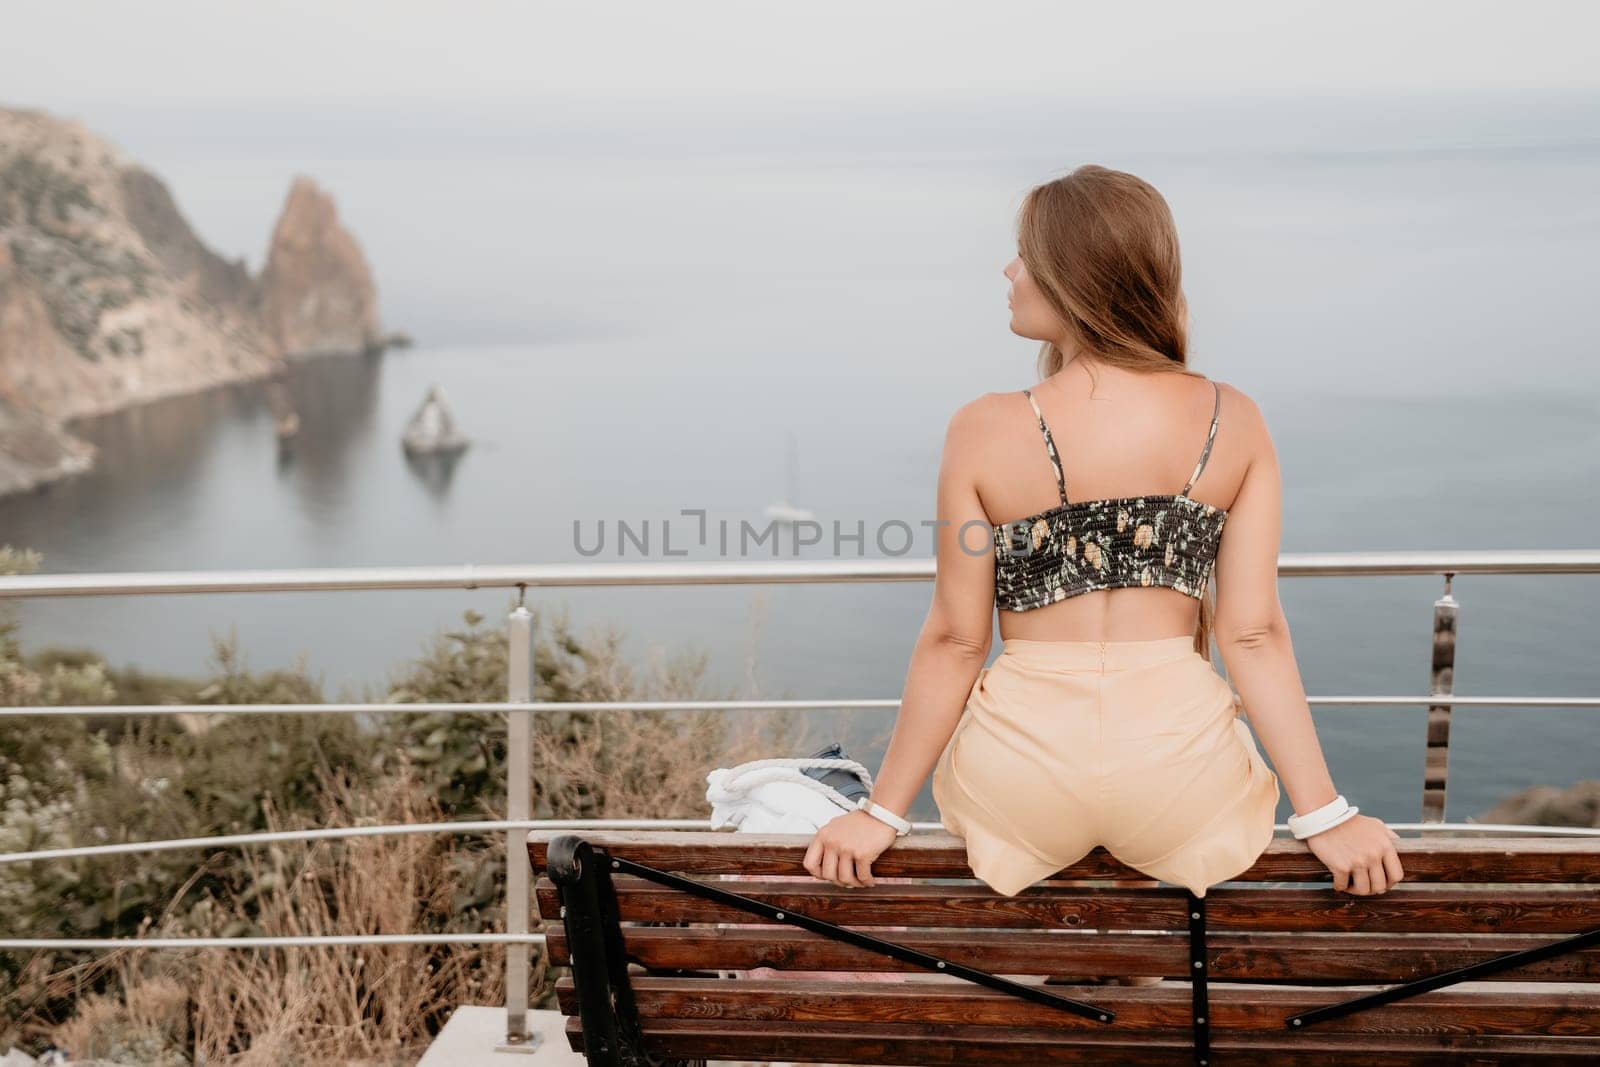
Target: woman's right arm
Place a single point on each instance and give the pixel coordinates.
(1253, 637)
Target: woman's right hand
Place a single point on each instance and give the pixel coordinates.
(1361, 854)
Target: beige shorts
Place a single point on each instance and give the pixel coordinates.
(1133, 745)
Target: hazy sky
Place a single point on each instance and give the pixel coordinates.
(67, 55)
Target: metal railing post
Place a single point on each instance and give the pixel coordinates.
(1442, 682)
(519, 757)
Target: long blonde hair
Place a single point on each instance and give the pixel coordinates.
(1102, 248)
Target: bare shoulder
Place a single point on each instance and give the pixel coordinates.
(974, 427)
(1240, 415)
(980, 417)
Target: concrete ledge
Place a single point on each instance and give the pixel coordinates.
(473, 1035)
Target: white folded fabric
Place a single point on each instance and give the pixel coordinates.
(772, 796)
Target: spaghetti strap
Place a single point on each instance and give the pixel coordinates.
(1210, 437)
(1049, 445)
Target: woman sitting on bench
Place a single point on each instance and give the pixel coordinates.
(1103, 720)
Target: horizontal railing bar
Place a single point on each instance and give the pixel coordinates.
(456, 708)
(1460, 700)
(868, 704)
(306, 941)
(1491, 561)
(335, 833)
(1492, 827)
(464, 576)
(624, 573)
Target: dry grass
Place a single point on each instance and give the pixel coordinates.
(146, 1025)
(381, 1005)
(371, 1004)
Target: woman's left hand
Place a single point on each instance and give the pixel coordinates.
(845, 846)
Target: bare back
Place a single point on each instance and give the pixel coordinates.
(1119, 434)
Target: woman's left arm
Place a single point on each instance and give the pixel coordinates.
(949, 653)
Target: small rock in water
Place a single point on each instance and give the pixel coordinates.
(432, 429)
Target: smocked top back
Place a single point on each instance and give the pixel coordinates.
(1166, 539)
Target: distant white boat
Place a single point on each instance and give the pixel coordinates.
(784, 511)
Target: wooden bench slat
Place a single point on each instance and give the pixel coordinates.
(937, 854)
(962, 1008)
(875, 1043)
(1405, 908)
(1254, 956)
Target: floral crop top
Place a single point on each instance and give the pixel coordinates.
(1167, 539)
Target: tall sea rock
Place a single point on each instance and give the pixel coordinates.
(316, 294)
(108, 298)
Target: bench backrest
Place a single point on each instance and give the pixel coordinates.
(1275, 967)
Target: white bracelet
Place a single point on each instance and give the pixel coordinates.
(1326, 817)
(883, 814)
(1314, 817)
(1323, 818)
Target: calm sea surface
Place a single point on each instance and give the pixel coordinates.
(626, 338)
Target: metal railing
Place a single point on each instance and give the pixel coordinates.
(519, 709)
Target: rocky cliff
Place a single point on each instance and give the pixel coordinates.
(1548, 805)
(108, 298)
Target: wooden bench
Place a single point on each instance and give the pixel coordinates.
(1488, 952)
